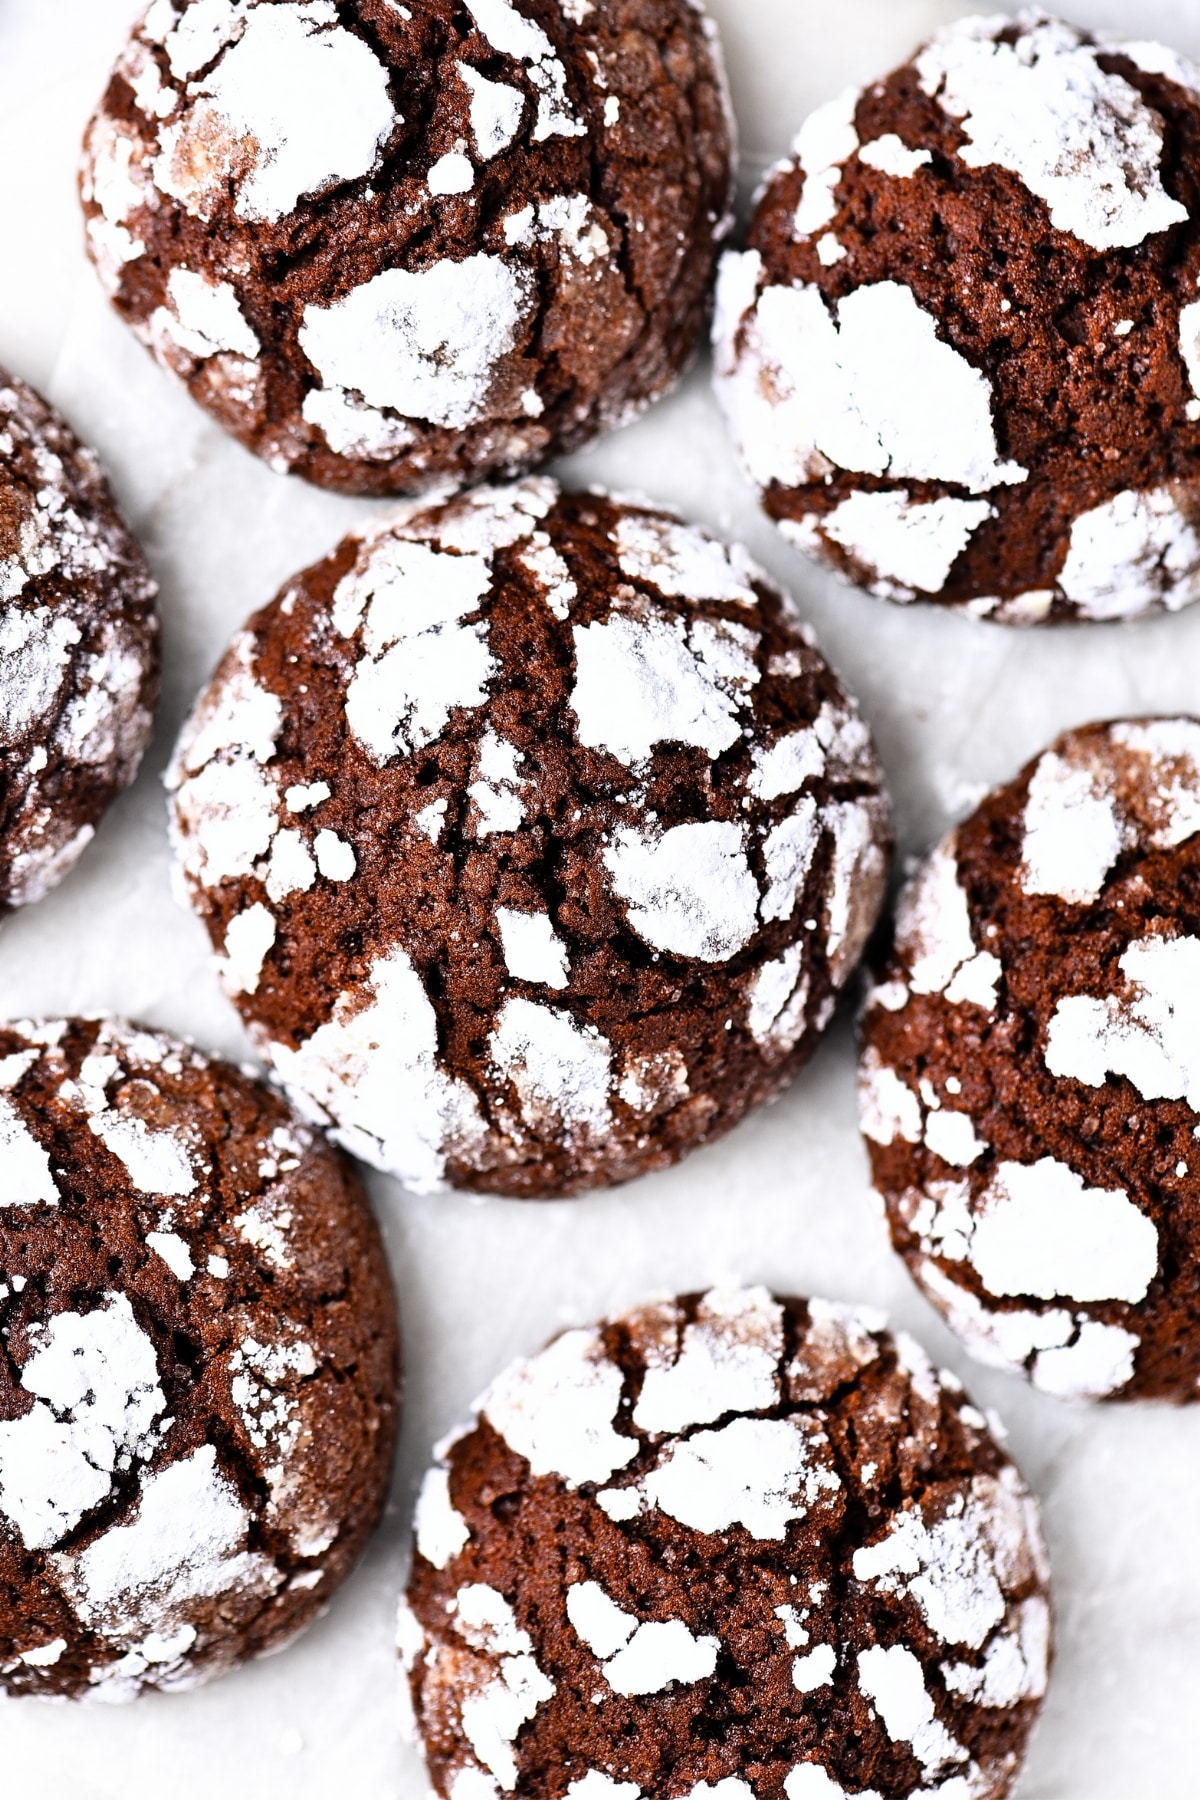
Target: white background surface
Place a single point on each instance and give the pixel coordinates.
(956, 706)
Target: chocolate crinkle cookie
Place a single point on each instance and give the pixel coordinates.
(198, 1383)
(960, 352)
(390, 246)
(726, 1548)
(1031, 1071)
(78, 647)
(534, 838)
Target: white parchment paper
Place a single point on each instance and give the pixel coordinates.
(956, 706)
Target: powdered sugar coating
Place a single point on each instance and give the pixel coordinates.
(281, 198)
(78, 647)
(469, 692)
(1045, 1254)
(159, 1558)
(777, 1565)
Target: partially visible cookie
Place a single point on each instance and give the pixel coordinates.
(535, 839)
(391, 247)
(960, 352)
(1031, 1068)
(726, 1548)
(199, 1383)
(78, 647)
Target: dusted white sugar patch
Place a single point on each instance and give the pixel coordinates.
(335, 858)
(427, 343)
(557, 1410)
(352, 428)
(933, 928)
(659, 1654)
(207, 318)
(422, 658)
(1073, 831)
(638, 1658)
(728, 1361)
(597, 1786)
(1170, 791)
(784, 766)
(788, 851)
(492, 1718)
(901, 540)
(811, 1781)
(895, 1681)
(690, 891)
(950, 1568)
(858, 875)
(823, 146)
(297, 105)
(226, 816)
(486, 519)
(249, 940)
(562, 1070)
(26, 1178)
(510, 32)
(1042, 1232)
(188, 1542)
(874, 390)
(1189, 343)
(640, 682)
(157, 1162)
(174, 1252)
(452, 174)
(291, 869)
(888, 1108)
(892, 156)
(816, 1670)
(684, 563)
(496, 112)
(1098, 1363)
(778, 1002)
(759, 1473)
(497, 794)
(374, 1069)
(1082, 140)
(440, 1529)
(1135, 552)
(237, 716)
(951, 1135)
(35, 646)
(1151, 1037)
(432, 822)
(487, 1621)
(533, 950)
(95, 1381)
(552, 574)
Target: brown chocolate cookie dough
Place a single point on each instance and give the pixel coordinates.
(392, 246)
(960, 352)
(534, 837)
(1031, 1070)
(198, 1380)
(78, 647)
(726, 1548)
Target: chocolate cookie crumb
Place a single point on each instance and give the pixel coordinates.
(198, 1384)
(726, 1548)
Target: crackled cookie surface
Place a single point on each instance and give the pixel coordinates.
(78, 647)
(534, 837)
(726, 1548)
(199, 1379)
(1031, 1073)
(391, 246)
(960, 352)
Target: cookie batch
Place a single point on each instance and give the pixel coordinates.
(536, 842)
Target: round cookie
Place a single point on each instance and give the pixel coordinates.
(534, 837)
(726, 1548)
(960, 352)
(391, 246)
(78, 647)
(199, 1387)
(1030, 1076)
